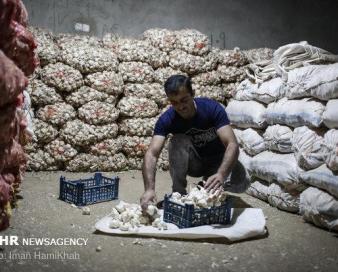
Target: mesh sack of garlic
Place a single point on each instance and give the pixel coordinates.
(163, 160)
(61, 76)
(110, 40)
(86, 94)
(142, 51)
(44, 132)
(41, 94)
(40, 160)
(211, 60)
(230, 89)
(180, 60)
(89, 59)
(161, 38)
(108, 147)
(57, 114)
(134, 163)
(192, 41)
(234, 57)
(191, 64)
(47, 50)
(207, 78)
(135, 146)
(60, 151)
(108, 82)
(200, 198)
(78, 133)
(231, 73)
(137, 126)
(65, 40)
(103, 132)
(136, 72)
(137, 107)
(98, 113)
(259, 54)
(153, 91)
(213, 92)
(31, 146)
(162, 74)
(128, 217)
(82, 163)
(117, 162)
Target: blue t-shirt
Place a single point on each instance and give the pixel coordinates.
(209, 117)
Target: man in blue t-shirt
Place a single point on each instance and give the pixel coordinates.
(203, 143)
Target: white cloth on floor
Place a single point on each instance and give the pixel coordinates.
(245, 223)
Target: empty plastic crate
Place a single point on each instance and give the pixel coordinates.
(89, 191)
(187, 216)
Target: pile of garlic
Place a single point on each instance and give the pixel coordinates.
(129, 217)
(200, 198)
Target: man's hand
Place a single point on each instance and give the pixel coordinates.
(148, 196)
(214, 183)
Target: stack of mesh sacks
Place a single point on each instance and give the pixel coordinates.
(287, 125)
(96, 101)
(17, 60)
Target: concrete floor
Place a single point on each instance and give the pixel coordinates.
(291, 244)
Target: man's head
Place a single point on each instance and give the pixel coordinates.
(181, 95)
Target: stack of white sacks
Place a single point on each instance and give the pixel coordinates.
(96, 101)
(286, 121)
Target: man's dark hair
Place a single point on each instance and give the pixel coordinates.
(176, 82)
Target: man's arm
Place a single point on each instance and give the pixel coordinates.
(230, 158)
(149, 169)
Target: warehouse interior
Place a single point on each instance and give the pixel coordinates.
(81, 97)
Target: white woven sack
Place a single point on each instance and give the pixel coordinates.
(307, 145)
(322, 178)
(330, 148)
(294, 55)
(330, 115)
(259, 190)
(278, 138)
(319, 81)
(245, 90)
(270, 91)
(252, 142)
(319, 208)
(295, 113)
(246, 114)
(280, 168)
(280, 198)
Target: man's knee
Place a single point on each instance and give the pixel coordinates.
(179, 141)
(239, 179)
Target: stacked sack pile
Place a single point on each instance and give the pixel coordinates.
(287, 119)
(17, 60)
(96, 101)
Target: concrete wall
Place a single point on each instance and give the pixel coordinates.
(228, 23)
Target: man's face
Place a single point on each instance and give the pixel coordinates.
(183, 103)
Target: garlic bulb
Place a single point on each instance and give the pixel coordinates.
(129, 217)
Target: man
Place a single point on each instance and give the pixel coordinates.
(203, 143)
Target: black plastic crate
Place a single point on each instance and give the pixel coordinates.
(187, 216)
(89, 191)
